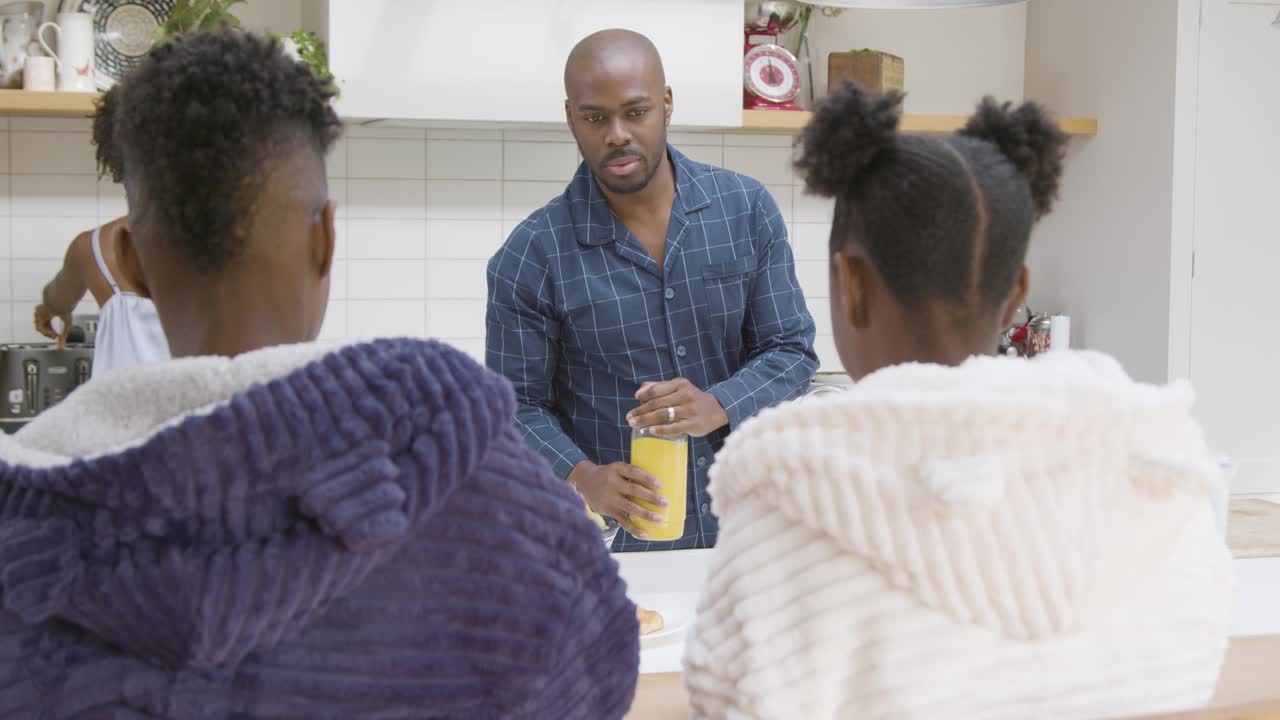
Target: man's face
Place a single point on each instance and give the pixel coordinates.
(619, 112)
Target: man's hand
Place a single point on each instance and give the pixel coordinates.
(44, 323)
(613, 489)
(676, 406)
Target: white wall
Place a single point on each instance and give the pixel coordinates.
(1104, 255)
(1233, 353)
(953, 57)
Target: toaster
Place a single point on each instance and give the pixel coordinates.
(35, 377)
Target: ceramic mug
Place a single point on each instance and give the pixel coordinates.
(75, 51)
(38, 73)
(17, 42)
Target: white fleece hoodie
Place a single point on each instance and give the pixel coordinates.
(1004, 539)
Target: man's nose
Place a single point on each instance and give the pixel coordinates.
(618, 135)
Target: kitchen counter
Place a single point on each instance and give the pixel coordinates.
(1247, 689)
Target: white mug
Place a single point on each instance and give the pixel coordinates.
(75, 51)
(18, 33)
(37, 74)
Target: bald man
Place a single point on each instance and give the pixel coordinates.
(655, 292)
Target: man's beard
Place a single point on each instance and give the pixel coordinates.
(623, 186)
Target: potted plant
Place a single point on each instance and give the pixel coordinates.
(195, 15)
(309, 48)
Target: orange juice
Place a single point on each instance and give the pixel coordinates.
(667, 459)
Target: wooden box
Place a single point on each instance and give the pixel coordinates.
(873, 70)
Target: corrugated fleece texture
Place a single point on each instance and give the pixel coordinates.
(1006, 539)
(302, 533)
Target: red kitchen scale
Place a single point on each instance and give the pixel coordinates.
(771, 74)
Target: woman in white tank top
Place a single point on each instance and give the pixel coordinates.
(129, 331)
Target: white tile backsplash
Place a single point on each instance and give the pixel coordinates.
(810, 241)
(560, 135)
(463, 134)
(387, 280)
(37, 124)
(682, 140)
(811, 208)
(335, 321)
(820, 309)
(420, 212)
(51, 153)
(769, 165)
(464, 200)
(814, 279)
(404, 199)
(825, 346)
(364, 131)
(464, 160)
(112, 202)
(45, 238)
(471, 346)
(55, 195)
(386, 318)
(6, 319)
(336, 163)
(463, 239)
(30, 277)
(520, 199)
(549, 161)
(387, 239)
(386, 159)
(773, 140)
(456, 319)
(338, 190)
(338, 280)
(457, 279)
(709, 154)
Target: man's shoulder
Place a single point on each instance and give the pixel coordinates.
(540, 235)
(732, 189)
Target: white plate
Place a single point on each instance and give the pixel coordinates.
(677, 609)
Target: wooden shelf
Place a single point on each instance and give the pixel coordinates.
(782, 121)
(59, 104)
(47, 104)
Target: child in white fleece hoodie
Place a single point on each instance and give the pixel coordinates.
(960, 535)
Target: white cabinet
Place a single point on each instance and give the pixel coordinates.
(463, 61)
(1234, 343)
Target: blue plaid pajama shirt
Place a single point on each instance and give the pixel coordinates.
(579, 315)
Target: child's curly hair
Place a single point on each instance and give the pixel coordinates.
(942, 218)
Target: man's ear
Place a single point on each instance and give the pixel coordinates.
(568, 118)
(668, 103)
(849, 286)
(1018, 298)
(130, 265)
(324, 240)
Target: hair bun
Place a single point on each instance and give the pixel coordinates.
(850, 129)
(1030, 138)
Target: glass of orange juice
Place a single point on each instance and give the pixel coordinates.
(666, 457)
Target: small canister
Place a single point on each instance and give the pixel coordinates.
(1040, 332)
